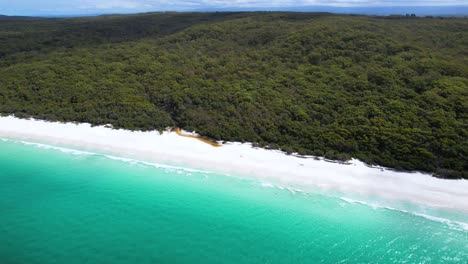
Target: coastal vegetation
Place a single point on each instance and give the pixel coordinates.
(391, 91)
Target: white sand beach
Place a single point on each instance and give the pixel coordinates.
(242, 159)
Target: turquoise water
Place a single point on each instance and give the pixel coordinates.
(58, 207)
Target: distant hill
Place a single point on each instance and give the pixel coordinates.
(388, 10)
(4, 17)
(458, 11)
(389, 90)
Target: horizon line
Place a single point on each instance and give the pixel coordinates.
(379, 10)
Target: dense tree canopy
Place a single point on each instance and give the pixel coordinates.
(390, 91)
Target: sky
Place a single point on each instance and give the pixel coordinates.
(64, 7)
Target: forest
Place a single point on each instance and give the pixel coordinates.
(390, 91)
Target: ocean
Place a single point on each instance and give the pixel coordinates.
(59, 205)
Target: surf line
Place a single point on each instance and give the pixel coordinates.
(204, 140)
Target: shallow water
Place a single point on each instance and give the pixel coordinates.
(77, 207)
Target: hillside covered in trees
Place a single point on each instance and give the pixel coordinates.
(391, 91)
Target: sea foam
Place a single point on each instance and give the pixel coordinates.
(233, 158)
(122, 159)
(456, 225)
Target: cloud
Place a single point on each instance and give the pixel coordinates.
(28, 7)
(188, 4)
(114, 4)
(268, 3)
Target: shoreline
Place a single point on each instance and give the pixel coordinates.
(355, 178)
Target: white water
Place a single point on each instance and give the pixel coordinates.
(453, 224)
(297, 173)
